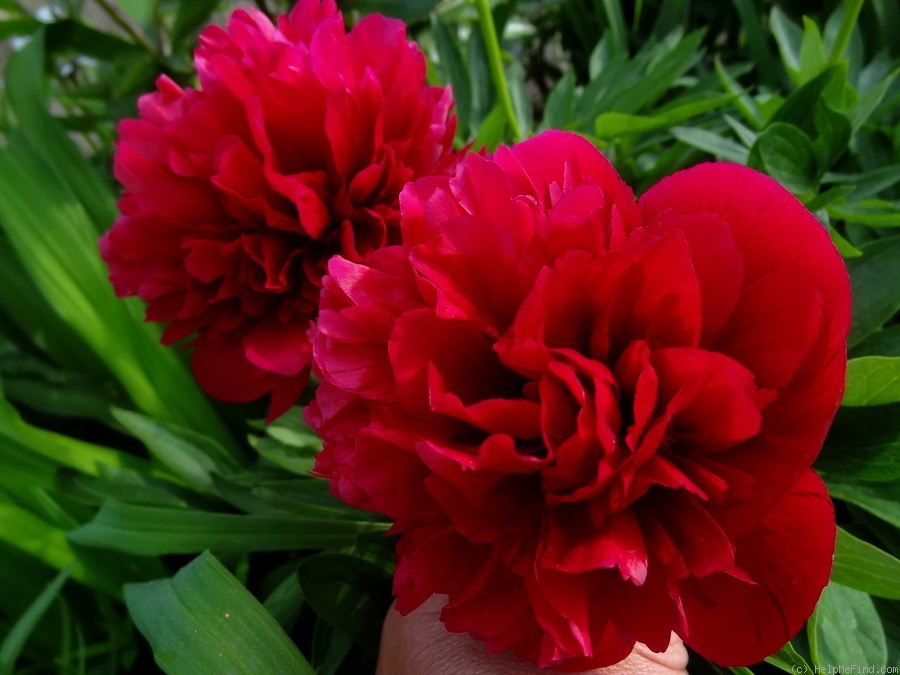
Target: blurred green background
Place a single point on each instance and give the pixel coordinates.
(117, 473)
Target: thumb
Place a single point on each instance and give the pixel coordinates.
(419, 644)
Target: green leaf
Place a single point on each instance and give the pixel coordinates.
(863, 460)
(286, 599)
(492, 130)
(62, 393)
(101, 570)
(330, 648)
(62, 450)
(758, 40)
(351, 594)
(867, 184)
(409, 11)
(55, 239)
(743, 102)
(788, 37)
(616, 21)
(813, 58)
(559, 108)
(875, 498)
(863, 445)
(204, 621)
(846, 629)
(713, 143)
(868, 102)
(885, 342)
(844, 247)
(797, 107)
(826, 198)
(191, 456)
(889, 611)
(455, 71)
(15, 640)
(291, 430)
(126, 486)
(668, 64)
(869, 212)
(787, 155)
(788, 660)
(872, 380)
(190, 15)
(746, 136)
(833, 129)
(41, 326)
(303, 498)
(874, 279)
(24, 76)
(13, 7)
(860, 565)
(19, 26)
(613, 124)
(483, 94)
(296, 460)
(148, 530)
(69, 35)
(515, 77)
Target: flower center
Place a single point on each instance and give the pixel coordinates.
(657, 418)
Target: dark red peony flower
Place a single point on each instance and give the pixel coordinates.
(591, 420)
(295, 148)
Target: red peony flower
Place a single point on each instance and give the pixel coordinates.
(295, 148)
(591, 420)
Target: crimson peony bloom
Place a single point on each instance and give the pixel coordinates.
(592, 420)
(295, 148)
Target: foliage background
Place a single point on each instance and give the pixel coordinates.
(116, 473)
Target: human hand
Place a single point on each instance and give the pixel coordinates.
(419, 644)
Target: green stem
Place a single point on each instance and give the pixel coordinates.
(125, 22)
(851, 14)
(495, 61)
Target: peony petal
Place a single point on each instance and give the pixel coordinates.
(553, 157)
(788, 557)
(769, 226)
(701, 542)
(792, 434)
(423, 203)
(476, 269)
(279, 348)
(659, 297)
(773, 327)
(222, 370)
(573, 544)
(716, 260)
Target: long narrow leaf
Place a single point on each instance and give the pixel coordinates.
(147, 530)
(204, 621)
(15, 640)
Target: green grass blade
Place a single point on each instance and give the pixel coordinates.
(148, 530)
(193, 457)
(23, 79)
(15, 640)
(766, 63)
(62, 450)
(53, 239)
(617, 31)
(713, 143)
(101, 570)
